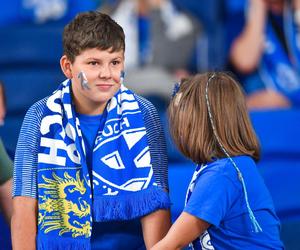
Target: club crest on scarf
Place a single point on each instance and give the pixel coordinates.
(124, 148)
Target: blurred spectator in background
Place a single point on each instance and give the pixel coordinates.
(42, 11)
(6, 168)
(265, 50)
(160, 42)
(2, 104)
(209, 53)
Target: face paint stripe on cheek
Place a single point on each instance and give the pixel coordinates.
(122, 76)
(83, 80)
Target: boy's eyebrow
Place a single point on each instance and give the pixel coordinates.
(100, 59)
(93, 58)
(117, 57)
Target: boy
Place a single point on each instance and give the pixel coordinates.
(91, 159)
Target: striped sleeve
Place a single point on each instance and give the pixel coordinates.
(156, 140)
(25, 165)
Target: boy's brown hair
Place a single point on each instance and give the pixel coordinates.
(190, 125)
(92, 29)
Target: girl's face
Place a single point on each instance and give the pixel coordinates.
(102, 69)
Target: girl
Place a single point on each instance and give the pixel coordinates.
(228, 205)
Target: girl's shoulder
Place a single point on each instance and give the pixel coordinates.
(225, 167)
(221, 163)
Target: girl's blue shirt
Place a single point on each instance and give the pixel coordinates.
(218, 199)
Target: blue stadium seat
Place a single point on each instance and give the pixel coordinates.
(30, 44)
(279, 135)
(4, 234)
(30, 70)
(180, 175)
(278, 131)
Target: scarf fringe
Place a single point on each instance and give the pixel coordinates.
(131, 206)
(62, 243)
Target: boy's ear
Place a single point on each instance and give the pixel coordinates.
(65, 65)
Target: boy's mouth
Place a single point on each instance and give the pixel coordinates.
(104, 87)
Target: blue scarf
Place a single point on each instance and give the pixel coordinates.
(122, 187)
(277, 69)
(203, 241)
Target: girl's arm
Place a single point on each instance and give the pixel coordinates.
(24, 223)
(185, 229)
(155, 226)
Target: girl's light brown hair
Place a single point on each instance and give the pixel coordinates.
(190, 125)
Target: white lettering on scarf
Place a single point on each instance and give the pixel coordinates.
(52, 105)
(54, 145)
(48, 121)
(115, 128)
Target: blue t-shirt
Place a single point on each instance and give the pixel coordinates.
(218, 199)
(90, 126)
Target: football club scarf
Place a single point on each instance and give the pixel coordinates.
(122, 186)
(203, 241)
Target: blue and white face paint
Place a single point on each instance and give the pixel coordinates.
(83, 81)
(122, 76)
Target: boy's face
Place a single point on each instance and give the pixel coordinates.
(102, 69)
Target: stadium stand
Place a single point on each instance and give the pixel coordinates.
(29, 68)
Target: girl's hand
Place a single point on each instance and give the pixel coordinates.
(185, 229)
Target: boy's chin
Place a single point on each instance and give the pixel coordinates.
(103, 98)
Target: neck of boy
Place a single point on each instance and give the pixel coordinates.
(87, 107)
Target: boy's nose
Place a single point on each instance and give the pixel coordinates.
(105, 72)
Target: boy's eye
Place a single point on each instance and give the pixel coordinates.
(93, 63)
(116, 62)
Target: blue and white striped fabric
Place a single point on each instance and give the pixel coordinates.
(62, 172)
(203, 242)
